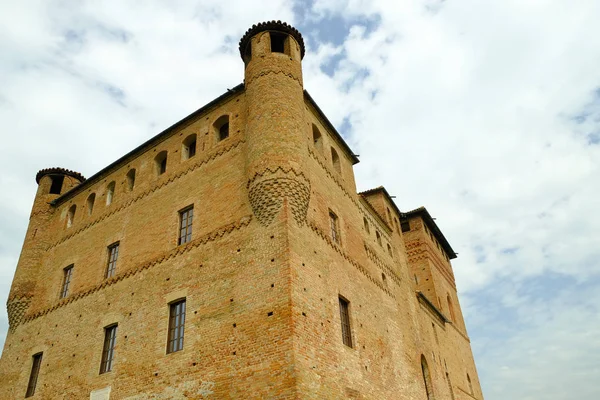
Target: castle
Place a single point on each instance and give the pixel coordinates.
(230, 257)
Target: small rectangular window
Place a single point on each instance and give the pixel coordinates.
(33, 376)
(113, 255)
(224, 131)
(67, 275)
(176, 326)
(192, 149)
(345, 319)
(185, 225)
(405, 226)
(108, 351)
(57, 183)
(335, 232)
(277, 42)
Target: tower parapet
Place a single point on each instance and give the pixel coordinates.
(52, 182)
(276, 143)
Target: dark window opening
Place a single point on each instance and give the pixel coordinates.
(185, 225)
(335, 231)
(189, 147)
(113, 255)
(33, 376)
(192, 149)
(131, 179)
(67, 275)
(405, 226)
(57, 182)
(108, 351)
(221, 127)
(345, 319)
(248, 52)
(278, 42)
(224, 131)
(176, 326)
(160, 162)
(426, 378)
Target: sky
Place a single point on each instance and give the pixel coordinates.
(486, 112)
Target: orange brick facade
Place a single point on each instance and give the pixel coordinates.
(262, 275)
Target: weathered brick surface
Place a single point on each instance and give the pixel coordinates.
(262, 275)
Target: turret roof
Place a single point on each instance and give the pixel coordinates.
(271, 26)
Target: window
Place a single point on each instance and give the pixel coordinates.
(389, 249)
(176, 326)
(71, 215)
(317, 138)
(108, 351)
(189, 147)
(113, 255)
(110, 192)
(131, 179)
(345, 320)
(389, 214)
(185, 225)
(57, 183)
(335, 159)
(470, 384)
(366, 224)
(33, 376)
(396, 225)
(335, 232)
(378, 236)
(405, 226)
(160, 162)
(90, 203)
(426, 378)
(67, 275)
(278, 42)
(221, 127)
(450, 308)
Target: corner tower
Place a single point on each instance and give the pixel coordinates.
(52, 182)
(276, 144)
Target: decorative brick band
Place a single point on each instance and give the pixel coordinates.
(149, 191)
(379, 262)
(16, 309)
(268, 189)
(359, 267)
(269, 72)
(175, 252)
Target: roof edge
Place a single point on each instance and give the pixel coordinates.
(423, 213)
(58, 171)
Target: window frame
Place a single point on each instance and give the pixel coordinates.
(108, 349)
(185, 233)
(113, 257)
(66, 281)
(334, 226)
(176, 329)
(36, 366)
(346, 326)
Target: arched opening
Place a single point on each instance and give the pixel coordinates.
(378, 236)
(57, 183)
(366, 224)
(221, 127)
(317, 138)
(389, 214)
(160, 162)
(90, 203)
(427, 378)
(389, 249)
(110, 193)
(71, 215)
(188, 147)
(470, 384)
(335, 160)
(383, 278)
(131, 179)
(450, 308)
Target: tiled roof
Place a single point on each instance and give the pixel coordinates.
(58, 171)
(271, 26)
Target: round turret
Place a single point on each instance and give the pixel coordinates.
(275, 137)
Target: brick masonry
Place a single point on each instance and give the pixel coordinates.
(261, 276)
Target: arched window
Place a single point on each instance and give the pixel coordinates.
(71, 215)
(110, 192)
(450, 308)
(160, 162)
(389, 214)
(317, 138)
(470, 384)
(90, 203)
(389, 249)
(427, 378)
(366, 224)
(383, 278)
(188, 147)
(378, 236)
(131, 179)
(221, 127)
(335, 160)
